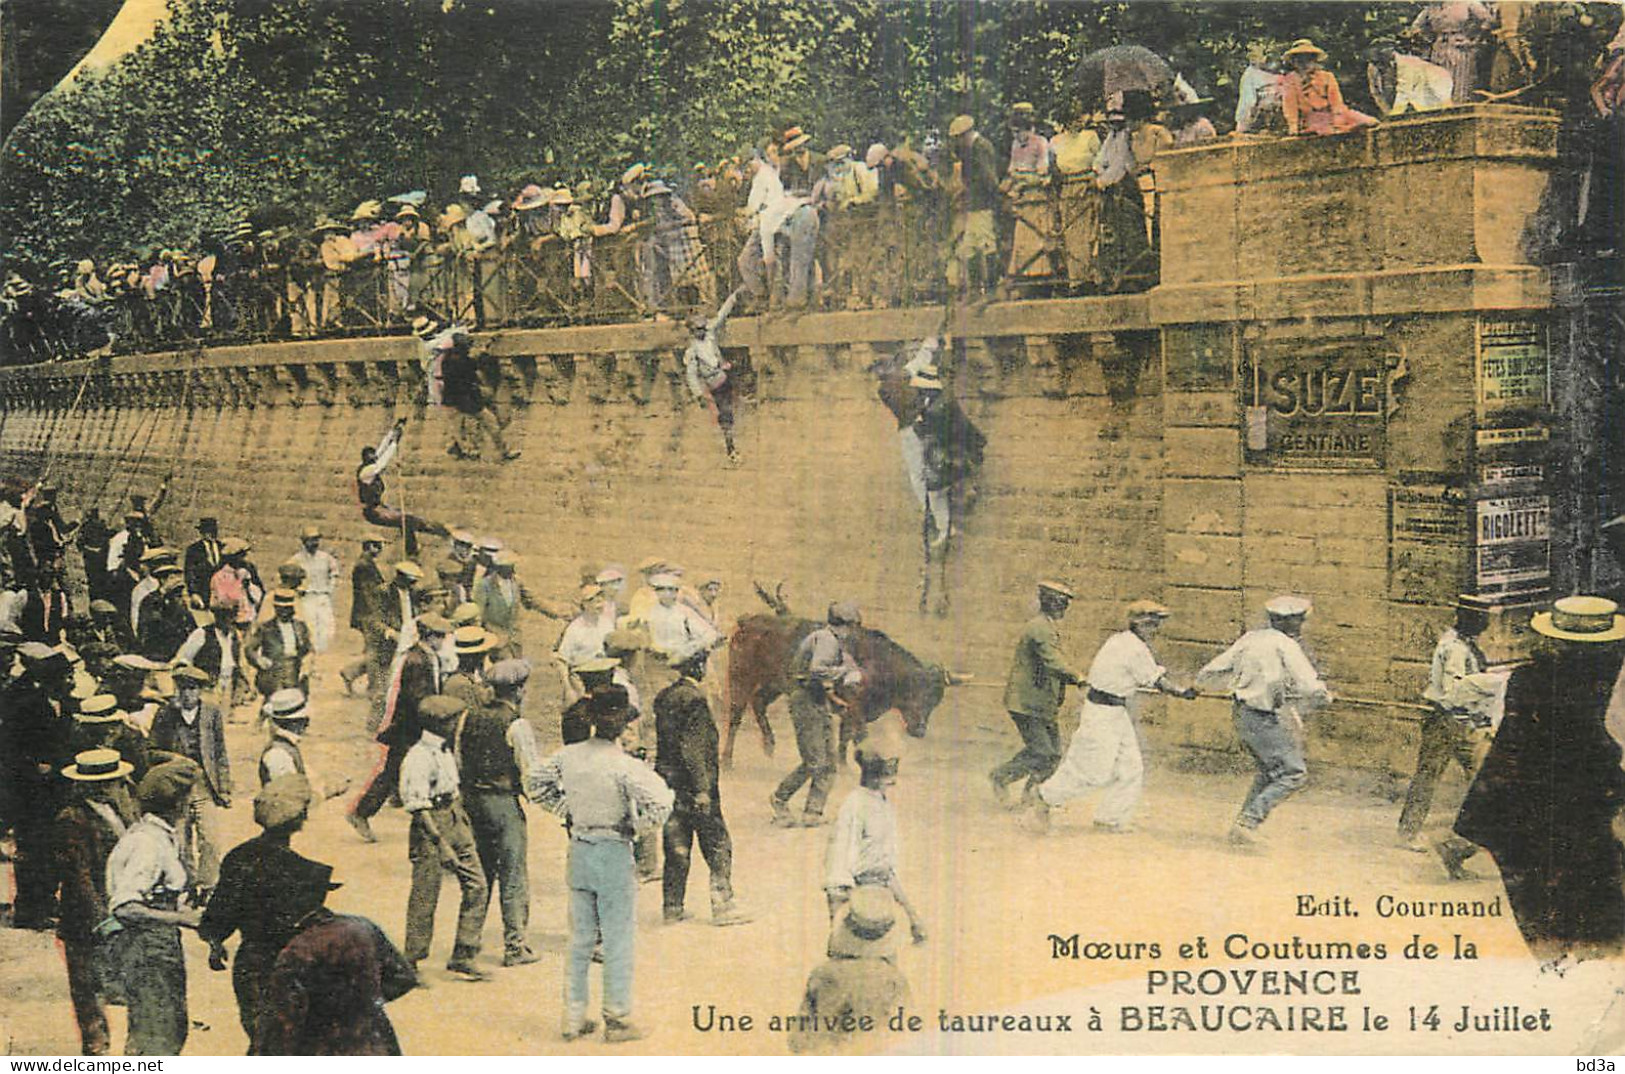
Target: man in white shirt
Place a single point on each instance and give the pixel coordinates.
(1460, 707)
(1105, 749)
(863, 845)
(1272, 682)
(441, 839)
(316, 602)
(608, 798)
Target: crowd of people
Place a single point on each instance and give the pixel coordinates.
(113, 752)
(1064, 204)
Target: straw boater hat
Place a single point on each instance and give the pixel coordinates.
(597, 665)
(99, 709)
(454, 214)
(1060, 589)
(188, 673)
(287, 706)
(409, 569)
(407, 210)
(284, 598)
(960, 125)
(309, 532)
(465, 614)
(97, 766)
(795, 138)
(1304, 47)
(562, 196)
(531, 197)
(838, 152)
(1583, 619)
(1146, 609)
(867, 928)
(327, 223)
(367, 210)
(472, 640)
(633, 174)
(425, 327)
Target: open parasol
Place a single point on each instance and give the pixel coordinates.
(1118, 69)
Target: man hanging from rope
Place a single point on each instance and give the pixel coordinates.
(369, 492)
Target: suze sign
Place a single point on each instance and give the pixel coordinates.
(1315, 407)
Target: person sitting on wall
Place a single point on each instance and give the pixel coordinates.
(1311, 99)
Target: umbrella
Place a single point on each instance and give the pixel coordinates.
(1120, 68)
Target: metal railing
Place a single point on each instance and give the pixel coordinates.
(887, 254)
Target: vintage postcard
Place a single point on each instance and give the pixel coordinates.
(812, 527)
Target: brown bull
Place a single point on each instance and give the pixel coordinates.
(760, 667)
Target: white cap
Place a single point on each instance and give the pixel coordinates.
(1285, 606)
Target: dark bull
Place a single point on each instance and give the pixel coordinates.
(760, 658)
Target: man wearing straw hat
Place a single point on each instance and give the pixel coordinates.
(321, 573)
(1105, 749)
(1272, 683)
(1547, 799)
(98, 812)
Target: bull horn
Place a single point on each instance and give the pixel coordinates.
(956, 678)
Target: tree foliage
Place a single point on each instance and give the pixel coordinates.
(285, 108)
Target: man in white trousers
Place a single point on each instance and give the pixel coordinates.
(1104, 753)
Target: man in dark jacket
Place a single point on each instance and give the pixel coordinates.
(686, 758)
(972, 254)
(495, 750)
(1039, 676)
(203, 558)
(368, 596)
(265, 890)
(1546, 798)
(420, 677)
(99, 810)
(188, 726)
(280, 647)
(33, 742)
(327, 991)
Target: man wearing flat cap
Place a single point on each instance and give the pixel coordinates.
(187, 726)
(280, 647)
(826, 674)
(146, 887)
(1457, 692)
(98, 811)
(265, 889)
(1273, 684)
(441, 839)
(496, 751)
(1039, 676)
(973, 249)
(1105, 749)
